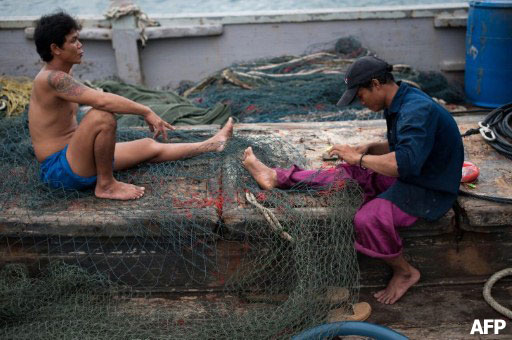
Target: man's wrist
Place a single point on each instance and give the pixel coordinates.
(361, 160)
(147, 112)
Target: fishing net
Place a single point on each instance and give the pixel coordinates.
(305, 88)
(205, 253)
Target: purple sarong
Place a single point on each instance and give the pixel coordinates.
(377, 220)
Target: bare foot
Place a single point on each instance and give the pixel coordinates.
(217, 142)
(119, 191)
(398, 286)
(264, 176)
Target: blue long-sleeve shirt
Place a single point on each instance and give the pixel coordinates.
(429, 154)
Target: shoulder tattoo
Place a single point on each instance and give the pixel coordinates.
(65, 84)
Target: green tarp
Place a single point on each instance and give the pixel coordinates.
(170, 106)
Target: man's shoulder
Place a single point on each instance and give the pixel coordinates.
(51, 77)
(416, 101)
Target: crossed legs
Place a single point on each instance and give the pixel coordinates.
(93, 148)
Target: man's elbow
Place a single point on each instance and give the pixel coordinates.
(101, 102)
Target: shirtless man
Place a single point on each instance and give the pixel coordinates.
(414, 173)
(76, 156)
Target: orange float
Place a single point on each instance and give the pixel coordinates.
(470, 172)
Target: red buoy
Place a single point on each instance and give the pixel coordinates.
(470, 172)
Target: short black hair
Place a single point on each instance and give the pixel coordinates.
(384, 78)
(52, 29)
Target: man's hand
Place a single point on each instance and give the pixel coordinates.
(157, 125)
(347, 153)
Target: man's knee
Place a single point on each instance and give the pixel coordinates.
(360, 221)
(151, 146)
(102, 119)
(150, 143)
(364, 220)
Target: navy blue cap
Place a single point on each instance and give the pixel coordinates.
(362, 71)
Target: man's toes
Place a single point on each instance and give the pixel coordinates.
(378, 294)
(247, 152)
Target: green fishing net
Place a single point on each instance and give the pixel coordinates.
(205, 253)
(304, 88)
(192, 259)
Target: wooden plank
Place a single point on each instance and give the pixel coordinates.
(181, 261)
(446, 258)
(182, 201)
(430, 313)
(177, 262)
(440, 312)
(311, 139)
(191, 202)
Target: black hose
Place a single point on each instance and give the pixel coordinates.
(499, 121)
(486, 198)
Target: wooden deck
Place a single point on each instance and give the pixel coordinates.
(454, 256)
(99, 219)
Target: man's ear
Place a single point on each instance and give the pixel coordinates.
(376, 83)
(55, 49)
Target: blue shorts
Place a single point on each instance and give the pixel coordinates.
(56, 172)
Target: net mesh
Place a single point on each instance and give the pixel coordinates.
(306, 88)
(192, 259)
(205, 253)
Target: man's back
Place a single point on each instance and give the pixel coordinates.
(52, 120)
(429, 154)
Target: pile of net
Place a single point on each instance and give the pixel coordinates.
(304, 88)
(282, 89)
(193, 259)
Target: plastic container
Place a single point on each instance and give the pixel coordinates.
(488, 75)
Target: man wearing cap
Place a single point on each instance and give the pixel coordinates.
(414, 174)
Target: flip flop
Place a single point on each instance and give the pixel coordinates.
(362, 311)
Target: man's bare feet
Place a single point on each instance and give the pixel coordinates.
(398, 285)
(119, 191)
(264, 176)
(218, 142)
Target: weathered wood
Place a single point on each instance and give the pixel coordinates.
(430, 313)
(183, 31)
(311, 139)
(182, 265)
(192, 203)
(476, 256)
(440, 312)
(124, 42)
(445, 258)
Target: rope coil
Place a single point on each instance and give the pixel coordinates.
(487, 292)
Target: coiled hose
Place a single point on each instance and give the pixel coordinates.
(343, 328)
(496, 128)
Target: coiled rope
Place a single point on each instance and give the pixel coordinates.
(487, 292)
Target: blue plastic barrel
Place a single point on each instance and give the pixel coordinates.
(488, 75)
